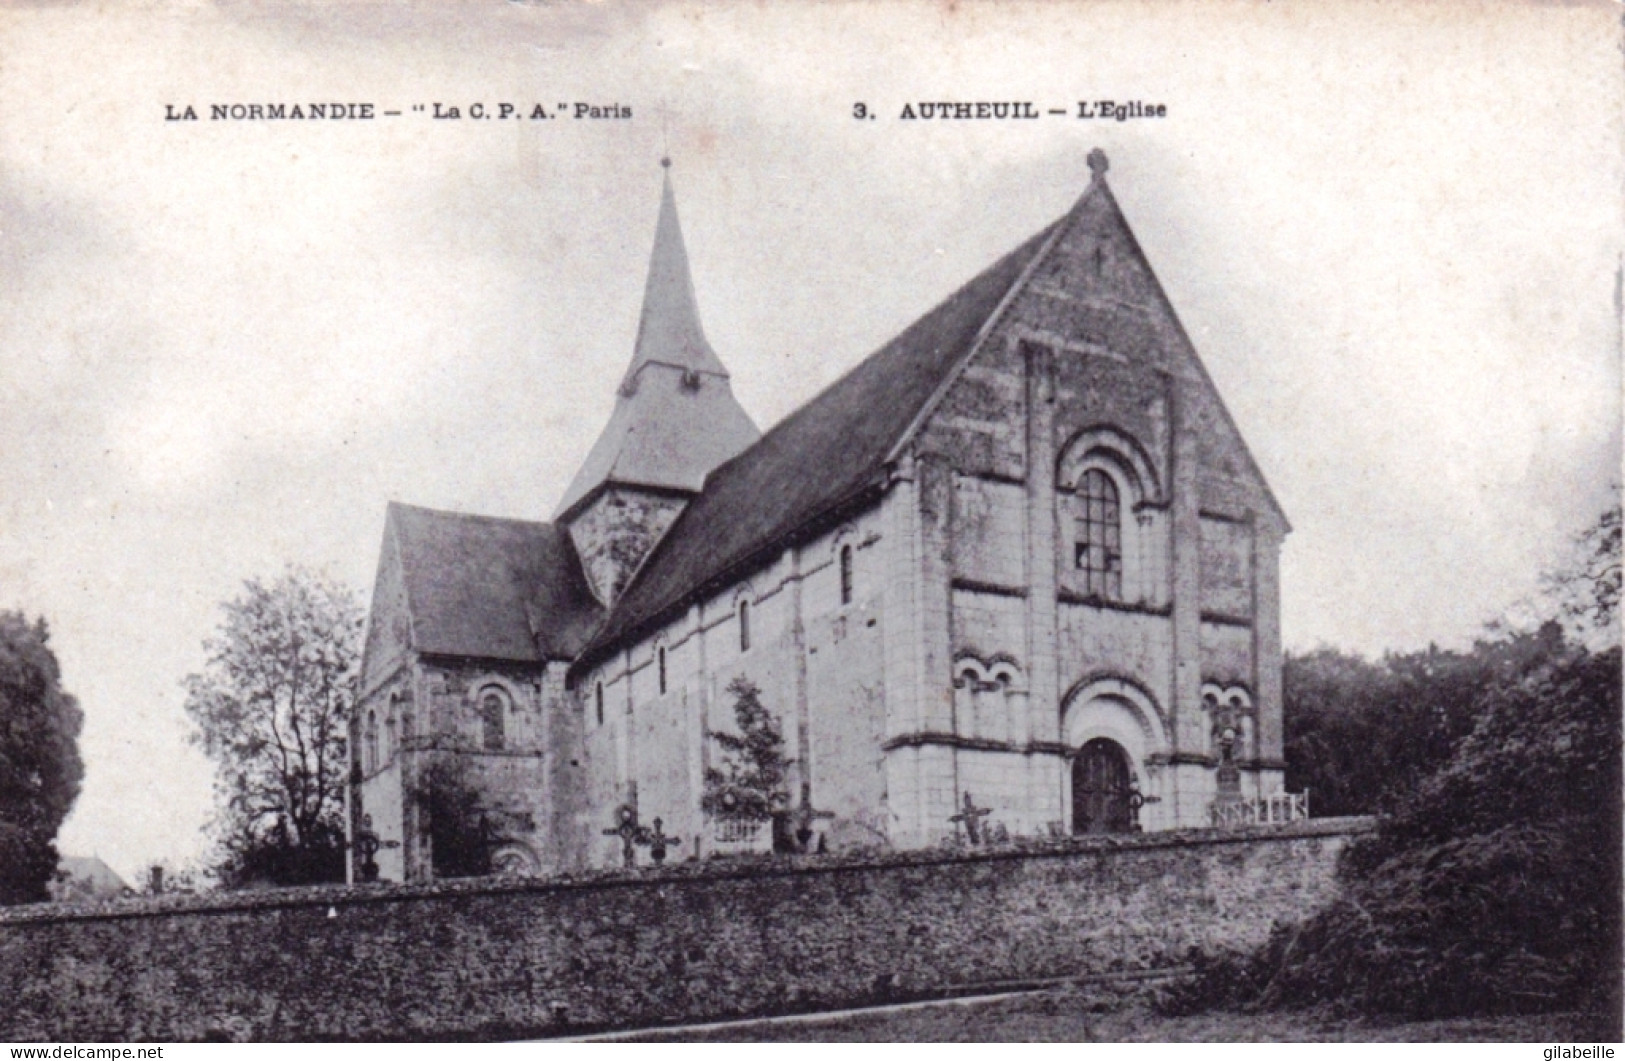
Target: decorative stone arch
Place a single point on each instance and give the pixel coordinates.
(1118, 703)
(1120, 710)
(1234, 695)
(742, 591)
(969, 673)
(510, 698)
(515, 859)
(845, 534)
(1124, 558)
(1232, 701)
(1118, 454)
(1004, 671)
(990, 697)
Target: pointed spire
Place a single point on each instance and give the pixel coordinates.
(675, 415)
(669, 332)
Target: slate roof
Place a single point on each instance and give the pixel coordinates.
(675, 414)
(512, 589)
(669, 330)
(820, 457)
(494, 588)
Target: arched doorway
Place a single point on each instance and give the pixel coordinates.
(1101, 788)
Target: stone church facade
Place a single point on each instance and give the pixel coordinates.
(1019, 557)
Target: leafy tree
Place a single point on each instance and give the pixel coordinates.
(1495, 885)
(40, 769)
(1360, 735)
(271, 710)
(1585, 589)
(1493, 882)
(751, 787)
(1335, 743)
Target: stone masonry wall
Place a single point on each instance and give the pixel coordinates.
(818, 663)
(725, 938)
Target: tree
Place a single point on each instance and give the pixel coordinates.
(40, 769)
(271, 710)
(1585, 588)
(1495, 885)
(752, 787)
(1492, 882)
(1360, 735)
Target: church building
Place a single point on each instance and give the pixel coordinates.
(1015, 574)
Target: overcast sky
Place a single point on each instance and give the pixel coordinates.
(1392, 232)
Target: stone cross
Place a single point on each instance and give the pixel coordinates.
(628, 829)
(366, 846)
(656, 841)
(972, 816)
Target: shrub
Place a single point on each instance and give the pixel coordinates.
(1495, 885)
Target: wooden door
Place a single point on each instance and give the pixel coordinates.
(1100, 788)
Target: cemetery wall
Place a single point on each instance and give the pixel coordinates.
(508, 958)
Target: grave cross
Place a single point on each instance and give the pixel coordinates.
(972, 816)
(656, 841)
(628, 829)
(366, 846)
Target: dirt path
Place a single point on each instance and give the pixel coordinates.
(1065, 1016)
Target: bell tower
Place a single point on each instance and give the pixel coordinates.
(675, 419)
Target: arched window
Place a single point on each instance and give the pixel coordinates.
(371, 742)
(660, 654)
(744, 626)
(1098, 548)
(389, 735)
(492, 710)
(846, 574)
(598, 695)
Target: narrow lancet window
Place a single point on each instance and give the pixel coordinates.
(661, 654)
(846, 574)
(744, 626)
(491, 721)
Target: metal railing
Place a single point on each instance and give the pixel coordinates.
(1275, 809)
(738, 832)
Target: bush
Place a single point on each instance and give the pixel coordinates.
(1493, 888)
(463, 831)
